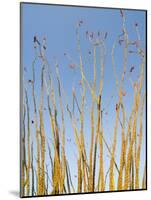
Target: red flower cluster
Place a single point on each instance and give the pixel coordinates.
(72, 65)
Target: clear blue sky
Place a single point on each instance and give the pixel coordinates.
(57, 24)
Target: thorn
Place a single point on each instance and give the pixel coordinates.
(136, 24)
(117, 107)
(36, 40)
(44, 47)
(132, 68)
(131, 51)
(89, 52)
(122, 13)
(30, 81)
(91, 35)
(105, 35)
(25, 69)
(120, 41)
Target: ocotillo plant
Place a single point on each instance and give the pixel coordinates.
(50, 116)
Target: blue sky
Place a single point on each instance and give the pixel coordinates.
(57, 24)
